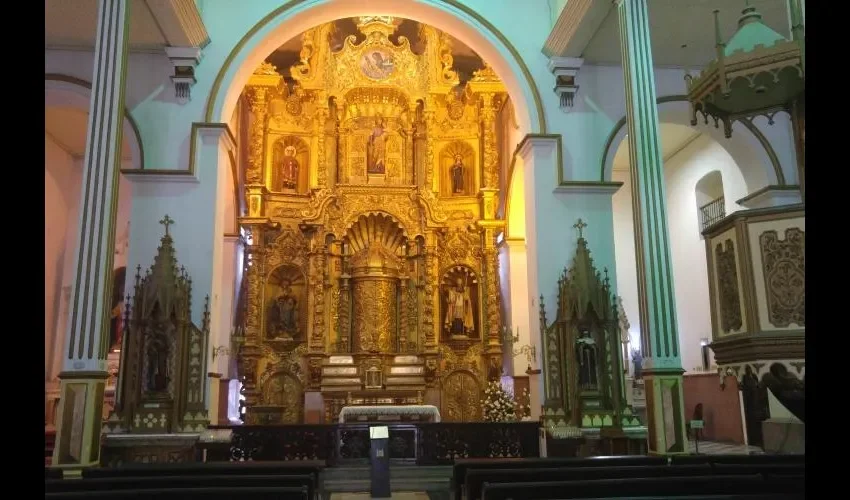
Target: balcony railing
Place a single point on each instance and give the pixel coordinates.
(712, 212)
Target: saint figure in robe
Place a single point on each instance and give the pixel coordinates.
(456, 172)
(459, 318)
(376, 149)
(157, 369)
(288, 168)
(283, 319)
(586, 357)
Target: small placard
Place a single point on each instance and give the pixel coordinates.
(696, 424)
(379, 432)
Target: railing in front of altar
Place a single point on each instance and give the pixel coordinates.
(422, 443)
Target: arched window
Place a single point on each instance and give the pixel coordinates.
(710, 199)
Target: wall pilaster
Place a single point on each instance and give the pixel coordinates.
(83, 376)
(660, 340)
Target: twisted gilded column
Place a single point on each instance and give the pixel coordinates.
(430, 297)
(320, 132)
(259, 109)
(491, 152)
(250, 353)
(662, 366)
(318, 285)
(430, 125)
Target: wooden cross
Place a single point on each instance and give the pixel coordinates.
(580, 225)
(166, 221)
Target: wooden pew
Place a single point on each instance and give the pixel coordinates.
(208, 468)
(737, 459)
(52, 473)
(476, 478)
(461, 466)
(174, 482)
(259, 493)
(665, 487)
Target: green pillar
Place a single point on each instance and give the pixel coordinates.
(662, 366)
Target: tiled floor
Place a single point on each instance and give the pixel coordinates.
(715, 448)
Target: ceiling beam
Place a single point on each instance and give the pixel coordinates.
(575, 27)
(180, 22)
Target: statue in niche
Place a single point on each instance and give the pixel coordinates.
(116, 320)
(376, 149)
(459, 317)
(456, 172)
(283, 315)
(586, 354)
(156, 377)
(288, 168)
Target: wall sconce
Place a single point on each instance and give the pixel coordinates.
(565, 70)
(219, 351)
(509, 339)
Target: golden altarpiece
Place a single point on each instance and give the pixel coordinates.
(372, 190)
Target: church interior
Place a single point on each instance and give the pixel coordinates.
(501, 235)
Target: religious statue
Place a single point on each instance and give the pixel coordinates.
(116, 320)
(456, 172)
(288, 168)
(376, 149)
(459, 318)
(156, 379)
(586, 357)
(283, 315)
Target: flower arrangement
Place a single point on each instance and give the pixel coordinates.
(498, 404)
(523, 404)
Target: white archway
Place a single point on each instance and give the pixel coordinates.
(756, 158)
(296, 17)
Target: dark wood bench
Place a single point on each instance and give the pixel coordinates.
(665, 487)
(52, 473)
(737, 459)
(476, 478)
(461, 466)
(173, 482)
(208, 468)
(260, 493)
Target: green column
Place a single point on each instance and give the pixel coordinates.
(659, 337)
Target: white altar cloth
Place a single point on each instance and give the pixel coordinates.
(389, 410)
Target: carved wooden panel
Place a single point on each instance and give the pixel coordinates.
(729, 302)
(784, 266)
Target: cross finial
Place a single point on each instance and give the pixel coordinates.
(166, 221)
(580, 225)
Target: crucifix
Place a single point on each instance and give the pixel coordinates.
(580, 225)
(166, 221)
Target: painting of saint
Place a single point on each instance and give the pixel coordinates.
(116, 319)
(376, 149)
(459, 318)
(376, 64)
(456, 172)
(288, 168)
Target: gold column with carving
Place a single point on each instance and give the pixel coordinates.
(491, 152)
(259, 107)
(402, 315)
(430, 130)
(429, 301)
(318, 281)
(320, 129)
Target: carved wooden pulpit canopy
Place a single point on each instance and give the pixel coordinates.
(162, 383)
(583, 373)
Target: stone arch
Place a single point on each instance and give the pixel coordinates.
(751, 151)
(453, 17)
(68, 91)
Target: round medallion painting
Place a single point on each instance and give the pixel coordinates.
(376, 64)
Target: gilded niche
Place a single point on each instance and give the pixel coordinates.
(457, 169)
(784, 266)
(460, 303)
(729, 299)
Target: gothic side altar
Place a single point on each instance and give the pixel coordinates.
(372, 273)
